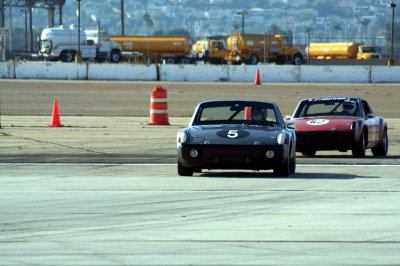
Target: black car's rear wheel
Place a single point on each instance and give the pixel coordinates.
(382, 148)
(283, 169)
(184, 171)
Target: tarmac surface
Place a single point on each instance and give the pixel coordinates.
(103, 188)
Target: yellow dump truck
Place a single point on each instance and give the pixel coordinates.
(342, 50)
(212, 50)
(253, 48)
(157, 49)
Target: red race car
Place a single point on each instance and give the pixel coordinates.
(338, 123)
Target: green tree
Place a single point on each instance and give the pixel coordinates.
(337, 28)
(275, 29)
(179, 31)
(236, 27)
(365, 22)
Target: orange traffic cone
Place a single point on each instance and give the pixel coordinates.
(247, 113)
(257, 81)
(55, 120)
(158, 107)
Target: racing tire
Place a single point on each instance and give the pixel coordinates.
(283, 169)
(184, 171)
(382, 148)
(359, 148)
(292, 165)
(310, 153)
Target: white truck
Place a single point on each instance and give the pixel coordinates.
(61, 43)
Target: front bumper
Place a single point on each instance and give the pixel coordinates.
(232, 157)
(322, 140)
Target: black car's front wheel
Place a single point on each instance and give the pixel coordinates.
(292, 166)
(184, 171)
(283, 169)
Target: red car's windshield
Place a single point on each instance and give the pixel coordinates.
(331, 107)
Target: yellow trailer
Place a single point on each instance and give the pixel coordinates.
(157, 49)
(253, 48)
(342, 50)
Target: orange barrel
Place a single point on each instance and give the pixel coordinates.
(158, 107)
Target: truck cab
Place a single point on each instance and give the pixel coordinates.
(61, 43)
(212, 50)
(368, 52)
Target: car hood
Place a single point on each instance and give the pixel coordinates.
(323, 123)
(233, 135)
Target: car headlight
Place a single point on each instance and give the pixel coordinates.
(280, 138)
(181, 137)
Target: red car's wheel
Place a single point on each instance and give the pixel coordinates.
(382, 148)
(309, 153)
(359, 148)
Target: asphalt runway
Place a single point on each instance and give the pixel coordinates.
(103, 189)
(144, 214)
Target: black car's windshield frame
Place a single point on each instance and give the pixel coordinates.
(232, 112)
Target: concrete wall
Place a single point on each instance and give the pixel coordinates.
(50, 70)
(200, 73)
(196, 73)
(7, 70)
(348, 74)
(380, 74)
(122, 72)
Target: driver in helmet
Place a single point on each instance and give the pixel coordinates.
(349, 108)
(258, 114)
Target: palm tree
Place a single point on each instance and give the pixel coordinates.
(147, 19)
(307, 31)
(338, 29)
(365, 22)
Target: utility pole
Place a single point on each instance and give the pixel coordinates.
(122, 18)
(242, 13)
(391, 59)
(78, 58)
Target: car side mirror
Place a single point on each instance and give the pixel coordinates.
(291, 126)
(288, 117)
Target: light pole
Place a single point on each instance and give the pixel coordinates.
(26, 29)
(78, 58)
(391, 59)
(122, 18)
(242, 13)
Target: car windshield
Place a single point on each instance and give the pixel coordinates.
(328, 107)
(249, 113)
(370, 49)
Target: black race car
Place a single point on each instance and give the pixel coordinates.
(236, 134)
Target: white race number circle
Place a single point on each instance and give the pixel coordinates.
(317, 122)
